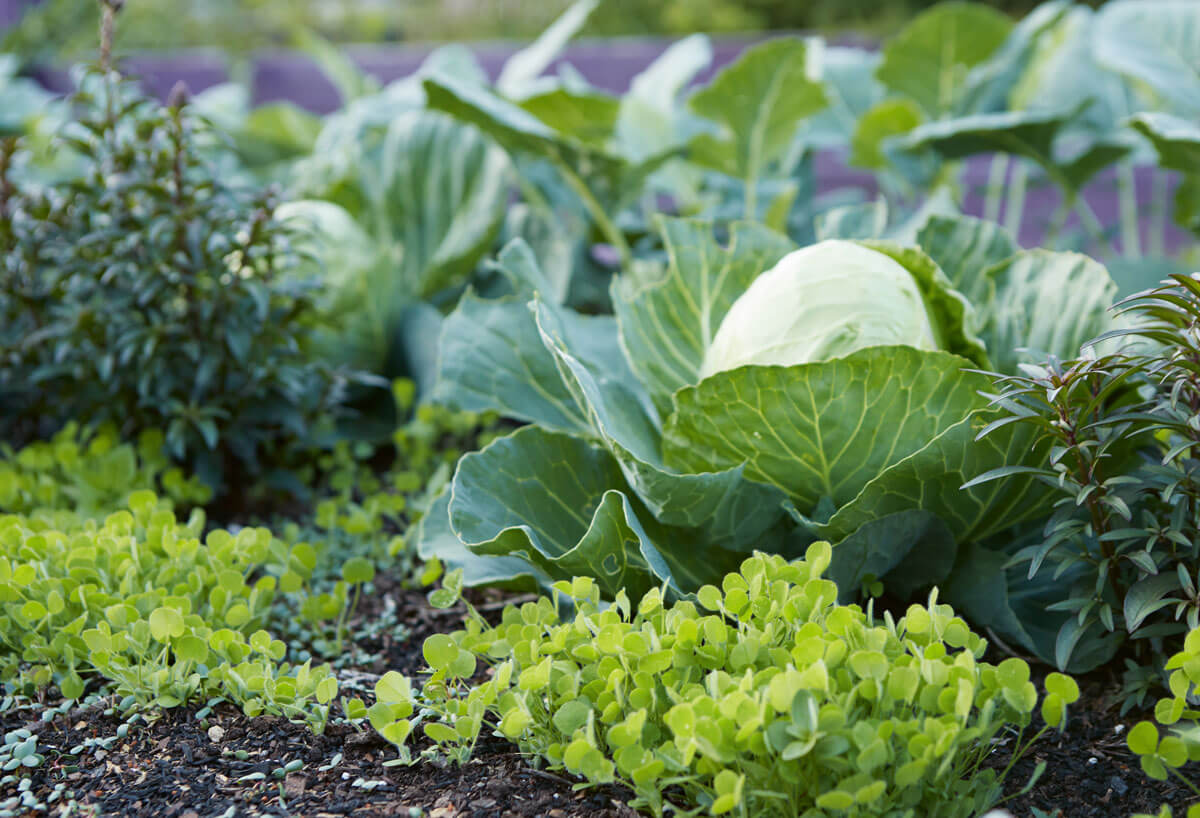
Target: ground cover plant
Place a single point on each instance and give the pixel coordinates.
(131, 593)
(1163, 755)
(725, 441)
(803, 707)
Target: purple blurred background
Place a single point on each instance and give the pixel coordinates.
(608, 64)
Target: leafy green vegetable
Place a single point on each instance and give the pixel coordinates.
(638, 462)
(410, 224)
(824, 301)
(929, 60)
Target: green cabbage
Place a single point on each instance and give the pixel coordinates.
(752, 396)
(824, 301)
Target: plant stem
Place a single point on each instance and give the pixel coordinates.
(1014, 205)
(1131, 242)
(606, 226)
(108, 15)
(750, 211)
(346, 611)
(997, 173)
(1156, 236)
(1091, 223)
(1057, 220)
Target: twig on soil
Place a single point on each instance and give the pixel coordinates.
(1000, 643)
(550, 776)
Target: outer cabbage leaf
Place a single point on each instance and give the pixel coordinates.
(885, 120)
(864, 220)
(518, 261)
(726, 509)
(1047, 303)
(522, 69)
(1063, 74)
(1176, 139)
(913, 549)
(759, 103)
(492, 357)
(444, 190)
(1156, 42)
(949, 310)
(932, 478)
(654, 120)
(435, 539)
(990, 83)
(876, 220)
(967, 249)
(610, 176)
(336, 249)
(929, 60)
(822, 430)
(562, 504)
(413, 217)
(848, 77)
(1030, 134)
(989, 593)
(668, 323)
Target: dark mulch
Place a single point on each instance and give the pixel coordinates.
(186, 768)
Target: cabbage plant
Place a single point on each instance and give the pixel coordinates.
(749, 395)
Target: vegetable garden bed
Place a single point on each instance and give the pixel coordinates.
(495, 444)
(208, 763)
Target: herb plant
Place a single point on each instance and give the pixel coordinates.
(767, 698)
(1121, 434)
(147, 293)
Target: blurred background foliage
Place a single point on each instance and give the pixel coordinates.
(65, 29)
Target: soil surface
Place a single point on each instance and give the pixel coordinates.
(1090, 773)
(194, 764)
(227, 764)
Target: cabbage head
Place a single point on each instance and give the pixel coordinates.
(823, 301)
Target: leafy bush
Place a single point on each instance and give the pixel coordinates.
(1120, 431)
(778, 701)
(148, 294)
(1163, 755)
